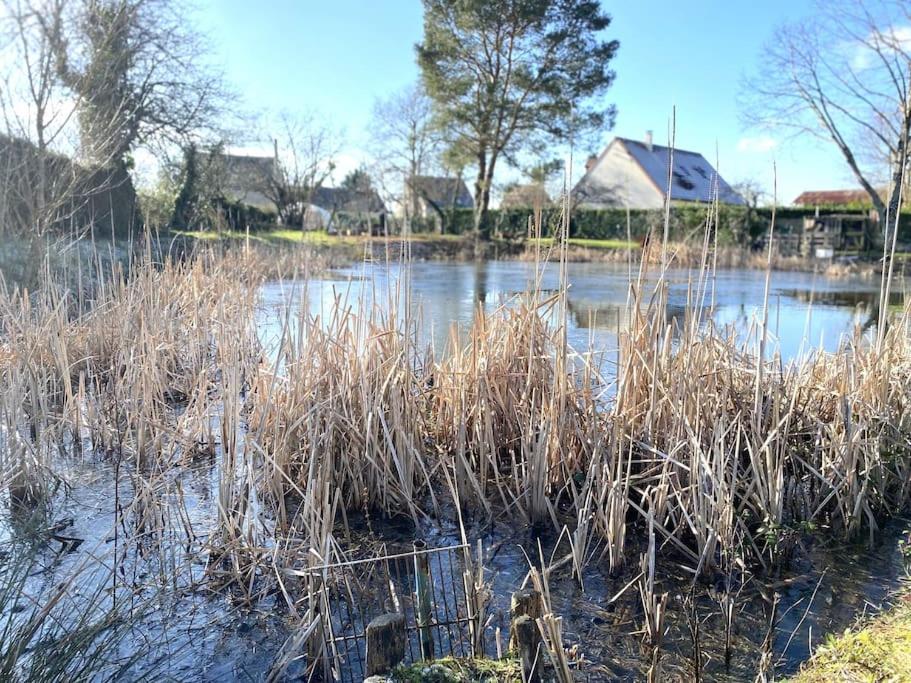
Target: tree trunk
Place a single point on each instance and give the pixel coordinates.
(482, 197)
(898, 171)
(413, 205)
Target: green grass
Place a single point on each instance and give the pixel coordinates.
(314, 237)
(592, 243)
(276, 236)
(321, 237)
(879, 650)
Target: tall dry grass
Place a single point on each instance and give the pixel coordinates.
(718, 448)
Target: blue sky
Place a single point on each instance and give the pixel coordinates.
(336, 57)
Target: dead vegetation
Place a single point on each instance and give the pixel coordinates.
(718, 451)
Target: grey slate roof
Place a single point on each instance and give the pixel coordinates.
(344, 200)
(525, 196)
(245, 178)
(693, 177)
(443, 192)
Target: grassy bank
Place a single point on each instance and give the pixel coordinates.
(879, 649)
(430, 246)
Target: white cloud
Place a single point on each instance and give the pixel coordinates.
(763, 143)
(345, 162)
(891, 40)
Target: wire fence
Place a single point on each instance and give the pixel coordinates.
(426, 585)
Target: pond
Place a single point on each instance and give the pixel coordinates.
(806, 310)
(199, 634)
(826, 587)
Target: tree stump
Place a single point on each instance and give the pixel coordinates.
(524, 603)
(528, 645)
(386, 640)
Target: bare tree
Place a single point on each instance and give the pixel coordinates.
(36, 115)
(95, 80)
(404, 144)
(305, 150)
(844, 76)
(138, 71)
(754, 195)
(33, 104)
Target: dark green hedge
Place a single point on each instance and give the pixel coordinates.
(737, 224)
(612, 223)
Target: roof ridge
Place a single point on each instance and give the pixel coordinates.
(677, 150)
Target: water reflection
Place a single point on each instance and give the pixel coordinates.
(805, 310)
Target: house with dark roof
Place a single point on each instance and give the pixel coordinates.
(527, 196)
(348, 200)
(244, 179)
(431, 195)
(634, 174)
(348, 209)
(833, 198)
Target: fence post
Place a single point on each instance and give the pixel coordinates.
(386, 639)
(524, 603)
(423, 606)
(317, 652)
(528, 645)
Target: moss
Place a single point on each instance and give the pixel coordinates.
(450, 670)
(878, 650)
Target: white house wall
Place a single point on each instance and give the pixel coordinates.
(617, 180)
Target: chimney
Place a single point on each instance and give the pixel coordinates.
(590, 162)
(275, 148)
(648, 140)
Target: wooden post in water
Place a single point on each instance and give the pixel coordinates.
(422, 594)
(524, 603)
(386, 638)
(528, 645)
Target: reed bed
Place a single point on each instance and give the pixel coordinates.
(729, 455)
(713, 448)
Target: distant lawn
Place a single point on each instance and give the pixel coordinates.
(277, 236)
(314, 237)
(591, 243)
(322, 238)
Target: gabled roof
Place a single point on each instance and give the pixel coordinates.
(835, 197)
(345, 200)
(443, 192)
(241, 174)
(525, 196)
(693, 178)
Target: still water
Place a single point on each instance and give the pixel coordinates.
(200, 635)
(825, 589)
(806, 310)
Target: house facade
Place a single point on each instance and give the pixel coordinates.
(634, 174)
(813, 198)
(431, 196)
(347, 210)
(245, 179)
(528, 196)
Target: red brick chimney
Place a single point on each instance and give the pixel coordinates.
(590, 162)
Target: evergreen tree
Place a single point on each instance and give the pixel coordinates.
(511, 75)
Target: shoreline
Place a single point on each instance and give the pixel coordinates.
(432, 247)
(878, 648)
